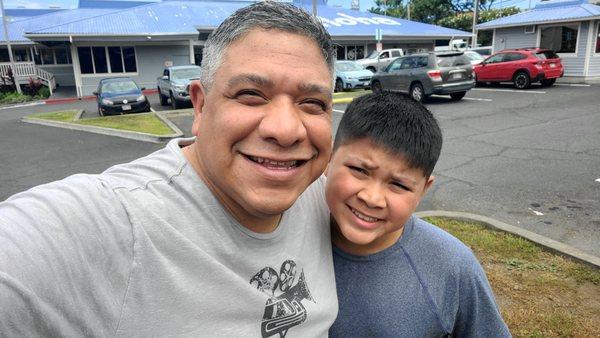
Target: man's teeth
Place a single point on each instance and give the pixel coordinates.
(274, 164)
(364, 217)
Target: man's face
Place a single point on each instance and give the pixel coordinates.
(264, 128)
(371, 194)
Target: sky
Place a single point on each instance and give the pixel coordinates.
(364, 4)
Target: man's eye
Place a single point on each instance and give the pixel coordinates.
(316, 106)
(250, 97)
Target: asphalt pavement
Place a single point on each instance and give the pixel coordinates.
(528, 158)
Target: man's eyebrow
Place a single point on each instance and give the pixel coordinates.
(315, 88)
(250, 79)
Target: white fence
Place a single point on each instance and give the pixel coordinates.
(26, 70)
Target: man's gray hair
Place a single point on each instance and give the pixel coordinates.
(262, 15)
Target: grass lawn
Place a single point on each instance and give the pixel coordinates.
(144, 122)
(540, 294)
(350, 94)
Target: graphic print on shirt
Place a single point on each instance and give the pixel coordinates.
(284, 308)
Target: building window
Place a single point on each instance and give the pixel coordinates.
(101, 60)
(52, 56)
(21, 54)
(47, 56)
(598, 39)
(561, 39)
(4, 55)
(63, 56)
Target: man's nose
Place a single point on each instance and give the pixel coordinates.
(373, 195)
(282, 123)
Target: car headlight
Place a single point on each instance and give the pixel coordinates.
(179, 88)
(107, 101)
(141, 98)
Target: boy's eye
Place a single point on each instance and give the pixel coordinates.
(401, 186)
(357, 169)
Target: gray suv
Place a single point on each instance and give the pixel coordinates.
(420, 75)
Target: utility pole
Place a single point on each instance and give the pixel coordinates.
(314, 11)
(10, 54)
(475, 12)
(408, 8)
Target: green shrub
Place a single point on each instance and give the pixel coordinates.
(13, 97)
(43, 93)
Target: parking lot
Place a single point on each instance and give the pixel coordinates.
(530, 158)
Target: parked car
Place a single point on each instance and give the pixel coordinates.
(379, 60)
(474, 57)
(482, 50)
(521, 66)
(120, 95)
(174, 84)
(350, 75)
(420, 75)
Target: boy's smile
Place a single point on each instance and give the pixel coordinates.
(371, 194)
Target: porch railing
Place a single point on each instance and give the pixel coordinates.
(28, 69)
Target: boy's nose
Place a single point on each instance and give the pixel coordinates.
(373, 196)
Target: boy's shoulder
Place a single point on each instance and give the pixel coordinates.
(434, 246)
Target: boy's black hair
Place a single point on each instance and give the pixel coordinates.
(396, 122)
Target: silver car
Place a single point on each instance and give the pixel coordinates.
(421, 75)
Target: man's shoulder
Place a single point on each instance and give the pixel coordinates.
(161, 165)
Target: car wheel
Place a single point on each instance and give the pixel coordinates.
(376, 87)
(100, 111)
(521, 80)
(417, 92)
(457, 96)
(174, 102)
(164, 100)
(339, 86)
(548, 82)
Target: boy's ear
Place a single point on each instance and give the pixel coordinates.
(428, 184)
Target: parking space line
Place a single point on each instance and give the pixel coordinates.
(338, 111)
(152, 110)
(572, 85)
(477, 99)
(510, 90)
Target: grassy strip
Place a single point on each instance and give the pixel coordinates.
(143, 123)
(540, 294)
(14, 97)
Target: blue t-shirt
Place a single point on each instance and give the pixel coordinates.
(428, 284)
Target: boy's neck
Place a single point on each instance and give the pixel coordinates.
(378, 245)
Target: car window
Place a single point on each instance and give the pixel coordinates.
(395, 53)
(422, 61)
(408, 63)
(474, 56)
(384, 55)
(452, 60)
(514, 57)
(347, 66)
(394, 66)
(119, 87)
(496, 58)
(186, 73)
(547, 54)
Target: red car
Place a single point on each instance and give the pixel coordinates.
(521, 66)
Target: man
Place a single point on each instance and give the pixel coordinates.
(213, 236)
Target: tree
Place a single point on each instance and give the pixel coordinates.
(394, 8)
(464, 21)
(428, 11)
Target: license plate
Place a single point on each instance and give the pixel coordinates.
(552, 65)
(126, 107)
(456, 76)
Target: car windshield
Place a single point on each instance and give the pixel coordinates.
(374, 54)
(474, 56)
(546, 54)
(452, 60)
(119, 87)
(347, 66)
(186, 73)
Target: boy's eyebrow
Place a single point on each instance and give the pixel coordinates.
(404, 178)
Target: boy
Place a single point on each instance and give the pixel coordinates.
(397, 275)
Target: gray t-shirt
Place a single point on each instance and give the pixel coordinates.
(428, 284)
(145, 249)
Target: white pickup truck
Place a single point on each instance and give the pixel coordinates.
(378, 60)
(173, 85)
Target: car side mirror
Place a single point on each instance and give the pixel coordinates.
(95, 93)
(165, 77)
(143, 88)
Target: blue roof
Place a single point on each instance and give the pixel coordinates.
(548, 12)
(183, 18)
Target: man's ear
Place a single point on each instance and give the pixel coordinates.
(197, 95)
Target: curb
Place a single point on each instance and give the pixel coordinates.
(132, 135)
(89, 97)
(550, 244)
(343, 100)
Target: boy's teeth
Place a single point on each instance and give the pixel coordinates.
(364, 217)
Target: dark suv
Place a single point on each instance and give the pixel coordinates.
(420, 75)
(521, 66)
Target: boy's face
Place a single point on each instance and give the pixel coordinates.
(371, 194)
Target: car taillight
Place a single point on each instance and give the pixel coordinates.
(435, 75)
